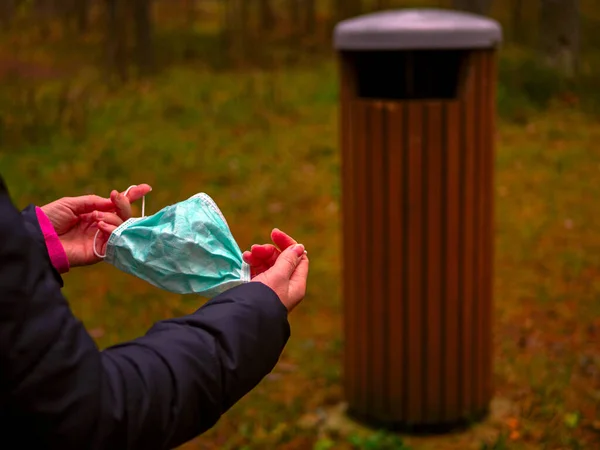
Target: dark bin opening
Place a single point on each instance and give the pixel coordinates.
(408, 75)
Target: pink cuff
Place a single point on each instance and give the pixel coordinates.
(58, 257)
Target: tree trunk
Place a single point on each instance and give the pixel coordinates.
(83, 7)
(267, 15)
(235, 31)
(44, 12)
(516, 20)
(116, 39)
(475, 6)
(142, 14)
(230, 29)
(559, 34)
(244, 18)
(245, 31)
(190, 12)
(7, 9)
(383, 4)
(345, 9)
(227, 23)
(295, 13)
(310, 17)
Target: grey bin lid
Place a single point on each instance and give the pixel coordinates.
(417, 29)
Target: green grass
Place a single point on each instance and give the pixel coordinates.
(264, 145)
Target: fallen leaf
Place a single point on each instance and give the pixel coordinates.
(309, 421)
(571, 419)
(513, 423)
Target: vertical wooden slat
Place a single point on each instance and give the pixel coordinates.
(385, 239)
(414, 300)
(348, 233)
(452, 308)
(397, 265)
(489, 161)
(362, 243)
(476, 300)
(367, 252)
(376, 260)
(467, 215)
(405, 204)
(432, 277)
(480, 194)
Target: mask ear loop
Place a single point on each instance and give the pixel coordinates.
(98, 231)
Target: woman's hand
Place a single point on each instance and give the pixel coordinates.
(109, 222)
(262, 257)
(75, 220)
(288, 276)
(283, 267)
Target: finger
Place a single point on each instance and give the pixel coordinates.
(88, 203)
(121, 204)
(257, 270)
(298, 281)
(250, 259)
(109, 218)
(281, 239)
(266, 256)
(137, 192)
(247, 257)
(257, 266)
(265, 251)
(106, 228)
(288, 261)
(300, 275)
(88, 217)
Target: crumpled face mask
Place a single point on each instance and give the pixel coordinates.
(185, 248)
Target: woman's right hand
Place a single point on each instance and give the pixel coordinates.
(262, 257)
(283, 267)
(288, 276)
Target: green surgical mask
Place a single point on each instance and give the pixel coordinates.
(185, 248)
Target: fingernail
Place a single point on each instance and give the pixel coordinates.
(299, 249)
(99, 215)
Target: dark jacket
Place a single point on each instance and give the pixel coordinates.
(58, 391)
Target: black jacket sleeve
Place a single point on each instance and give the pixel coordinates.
(34, 230)
(32, 225)
(57, 390)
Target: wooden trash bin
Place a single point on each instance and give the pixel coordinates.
(417, 139)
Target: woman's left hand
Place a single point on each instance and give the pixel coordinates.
(75, 220)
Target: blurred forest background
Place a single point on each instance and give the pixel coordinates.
(238, 98)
